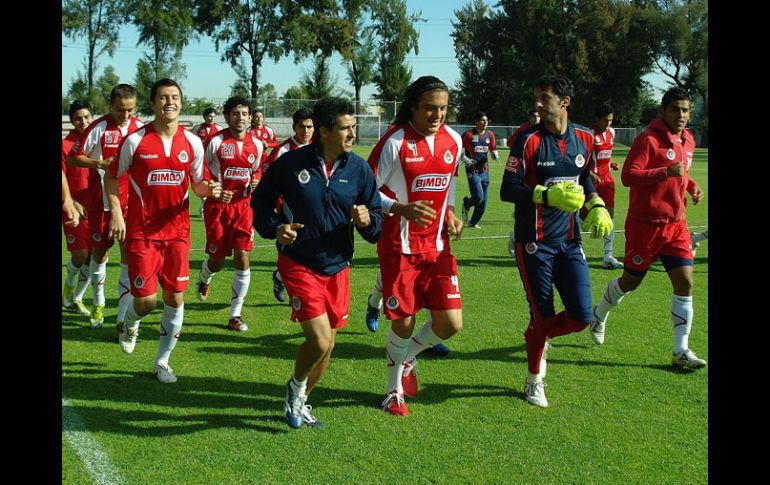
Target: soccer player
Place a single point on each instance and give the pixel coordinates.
(263, 132)
(96, 150)
(601, 164)
(205, 131)
(478, 143)
(415, 162)
(232, 158)
(533, 118)
(161, 158)
(657, 169)
(327, 190)
(546, 176)
(78, 235)
(302, 124)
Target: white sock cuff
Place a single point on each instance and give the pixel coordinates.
(397, 341)
(97, 268)
(682, 299)
(615, 292)
(426, 336)
(243, 272)
(71, 267)
(173, 315)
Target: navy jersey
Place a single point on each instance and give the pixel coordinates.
(477, 148)
(539, 157)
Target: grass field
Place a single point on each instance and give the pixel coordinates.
(618, 413)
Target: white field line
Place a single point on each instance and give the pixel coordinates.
(87, 448)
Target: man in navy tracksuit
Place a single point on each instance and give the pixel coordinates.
(546, 176)
(327, 190)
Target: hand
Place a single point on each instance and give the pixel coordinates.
(697, 195)
(468, 161)
(253, 185)
(81, 210)
(104, 164)
(360, 215)
(419, 213)
(226, 196)
(117, 226)
(454, 226)
(566, 196)
(595, 178)
(215, 189)
(287, 234)
(598, 221)
(675, 169)
(614, 166)
(71, 213)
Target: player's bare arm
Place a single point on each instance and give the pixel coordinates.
(207, 188)
(84, 161)
(454, 225)
(360, 215)
(117, 224)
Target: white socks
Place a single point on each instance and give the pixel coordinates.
(83, 281)
(241, 280)
(375, 298)
(98, 274)
(681, 317)
(206, 273)
(170, 326)
(131, 318)
(72, 272)
(608, 244)
(611, 298)
(124, 292)
(395, 353)
(424, 339)
(298, 387)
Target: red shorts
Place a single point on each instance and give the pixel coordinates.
(78, 238)
(411, 282)
(228, 227)
(312, 294)
(606, 189)
(150, 261)
(647, 241)
(99, 225)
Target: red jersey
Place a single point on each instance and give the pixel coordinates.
(100, 141)
(654, 196)
(206, 132)
(233, 162)
(158, 170)
(602, 154)
(410, 166)
(77, 177)
(512, 138)
(266, 134)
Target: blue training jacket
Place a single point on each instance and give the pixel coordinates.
(325, 244)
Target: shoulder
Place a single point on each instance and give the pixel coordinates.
(452, 133)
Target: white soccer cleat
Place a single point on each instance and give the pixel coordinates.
(611, 262)
(687, 360)
(534, 393)
(164, 374)
(127, 337)
(512, 243)
(597, 329)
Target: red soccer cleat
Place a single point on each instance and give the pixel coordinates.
(394, 404)
(409, 378)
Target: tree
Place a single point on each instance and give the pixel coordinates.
(98, 22)
(319, 82)
(361, 65)
(99, 95)
(295, 98)
(239, 88)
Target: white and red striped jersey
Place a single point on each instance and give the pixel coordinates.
(206, 132)
(233, 162)
(77, 177)
(266, 134)
(408, 167)
(602, 154)
(158, 171)
(100, 141)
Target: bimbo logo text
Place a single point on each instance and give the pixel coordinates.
(431, 182)
(165, 177)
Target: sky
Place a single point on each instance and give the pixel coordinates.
(209, 77)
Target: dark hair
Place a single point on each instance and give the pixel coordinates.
(77, 105)
(122, 91)
(301, 114)
(257, 110)
(208, 111)
(532, 112)
(413, 94)
(480, 115)
(232, 102)
(560, 85)
(163, 83)
(674, 94)
(327, 110)
(603, 110)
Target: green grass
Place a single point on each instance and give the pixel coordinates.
(618, 413)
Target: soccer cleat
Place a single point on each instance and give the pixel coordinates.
(694, 245)
(611, 263)
(438, 350)
(409, 378)
(372, 317)
(127, 337)
(687, 360)
(309, 419)
(237, 324)
(279, 291)
(97, 316)
(203, 290)
(597, 329)
(394, 404)
(465, 211)
(512, 243)
(475, 226)
(66, 295)
(79, 307)
(164, 373)
(534, 393)
(293, 407)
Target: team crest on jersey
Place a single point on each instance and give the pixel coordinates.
(71, 239)
(96, 237)
(475, 138)
(138, 282)
(303, 177)
(580, 160)
(251, 158)
(296, 303)
(513, 164)
(183, 157)
(530, 248)
(670, 154)
(212, 248)
(392, 302)
(412, 145)
(448, 158)
(637, 260)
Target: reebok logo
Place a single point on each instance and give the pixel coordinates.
(147, 156)
(431, 182)
(165, 177)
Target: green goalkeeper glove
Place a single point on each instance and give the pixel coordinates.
(566, 196)
(598, 221)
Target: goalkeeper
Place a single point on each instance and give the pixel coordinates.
(547, 179)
